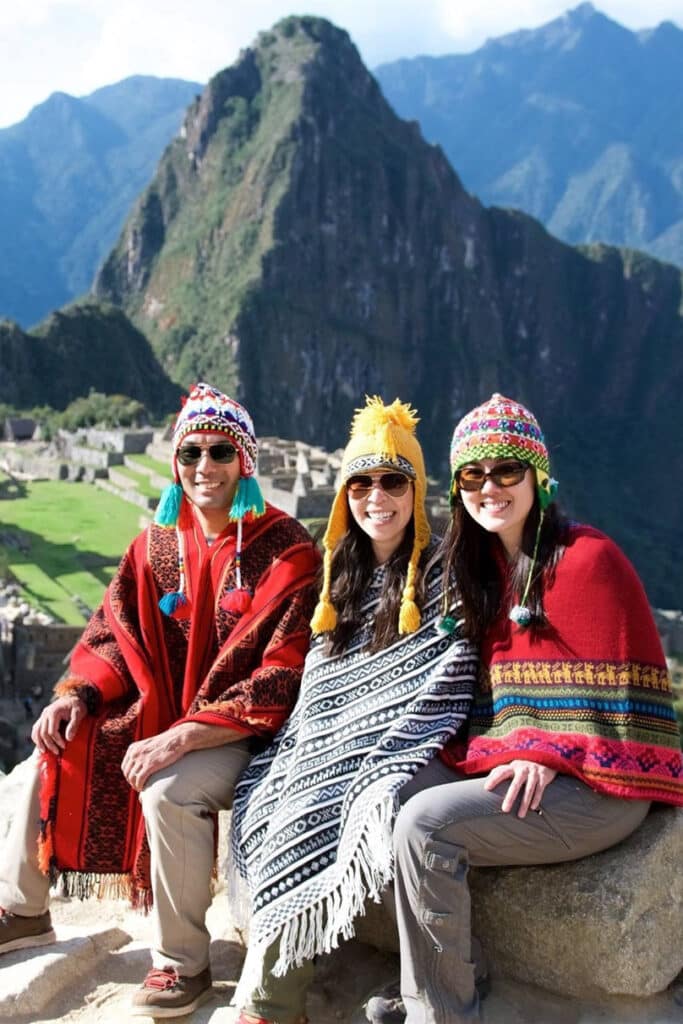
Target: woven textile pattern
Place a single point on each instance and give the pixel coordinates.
(312, 815)
(589, 696)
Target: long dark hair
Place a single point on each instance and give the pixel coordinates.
(469, 553)
(353, 564)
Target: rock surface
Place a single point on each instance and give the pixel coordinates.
(607, 925)
(102, 951)
(611, 923)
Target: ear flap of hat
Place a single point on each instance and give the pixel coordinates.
(409, 614)
(325, 616)
(546, 487)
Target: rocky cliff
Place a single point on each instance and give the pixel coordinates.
(87, 346)
(302, 245)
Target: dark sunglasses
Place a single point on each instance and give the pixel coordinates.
(394, 484)
(190, 454)
(504, 474)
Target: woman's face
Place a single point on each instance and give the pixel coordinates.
(382, 514)
(501, 510)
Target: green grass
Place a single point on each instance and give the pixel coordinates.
(162, 468)
(139, 481)
(71, 539)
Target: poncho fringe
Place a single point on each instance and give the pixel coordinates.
(313, 815)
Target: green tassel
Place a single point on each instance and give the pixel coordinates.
(168, 509)
(547, 492)
(248, 498)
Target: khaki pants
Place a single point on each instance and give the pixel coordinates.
(178, 803)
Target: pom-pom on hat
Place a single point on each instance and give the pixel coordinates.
(382, 437)
(502, 427)
(208, 410)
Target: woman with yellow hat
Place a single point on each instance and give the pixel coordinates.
(384, 688)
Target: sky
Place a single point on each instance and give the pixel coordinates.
(76, 46)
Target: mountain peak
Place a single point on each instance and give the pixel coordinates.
(562, 33)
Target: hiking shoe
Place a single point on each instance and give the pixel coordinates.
(387, 1007)
(17, 932)
(165, 993)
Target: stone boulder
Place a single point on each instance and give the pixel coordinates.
(606, 925)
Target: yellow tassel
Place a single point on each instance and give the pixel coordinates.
(324, 617)
(409, 617)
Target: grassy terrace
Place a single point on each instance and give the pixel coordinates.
(154, 465)
(139, 482)
(63, 541)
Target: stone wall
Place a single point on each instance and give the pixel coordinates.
(40, 655)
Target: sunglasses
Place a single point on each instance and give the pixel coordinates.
(394, 484)
(190, 454)
(504, 474)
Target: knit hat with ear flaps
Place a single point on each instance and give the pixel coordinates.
(207, 410)
(382, 437)
(502, 427)
(498, 428)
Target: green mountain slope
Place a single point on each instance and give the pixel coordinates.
(302, 246)
(84, 347)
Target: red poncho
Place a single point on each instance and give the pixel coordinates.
(141, 671)
(588, 696)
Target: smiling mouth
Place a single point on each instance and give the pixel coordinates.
(380, 517)
(495, 506)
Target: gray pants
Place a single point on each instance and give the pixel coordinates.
(448, 822)
(177, 803)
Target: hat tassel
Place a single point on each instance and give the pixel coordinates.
(248, 498)
(519, 613)
(325, 616)
(168, 509)
(238, 598)
(174, 604)
(409, 615)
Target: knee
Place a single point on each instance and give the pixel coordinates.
(412, 827)
(161, 790)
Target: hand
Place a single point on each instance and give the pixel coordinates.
(47, 733)
(528, 778)
(145, 757)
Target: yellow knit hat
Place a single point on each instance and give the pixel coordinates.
(382, 437)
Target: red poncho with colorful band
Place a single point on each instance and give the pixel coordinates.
(590, 695)
(142, 671)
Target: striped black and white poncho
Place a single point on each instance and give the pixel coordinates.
(312, 815)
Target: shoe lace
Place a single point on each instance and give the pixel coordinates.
(161, 978)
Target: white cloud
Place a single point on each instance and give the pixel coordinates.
(77, 46)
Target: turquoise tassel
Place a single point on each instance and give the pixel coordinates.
(168, 509)
(170, 602)
(446, 624)
(520, 615)
(248, 498)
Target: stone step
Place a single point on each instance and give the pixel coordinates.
(30, 980)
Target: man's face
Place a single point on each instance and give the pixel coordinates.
(208, 484)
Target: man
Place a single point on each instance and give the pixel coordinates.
(192, 662)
